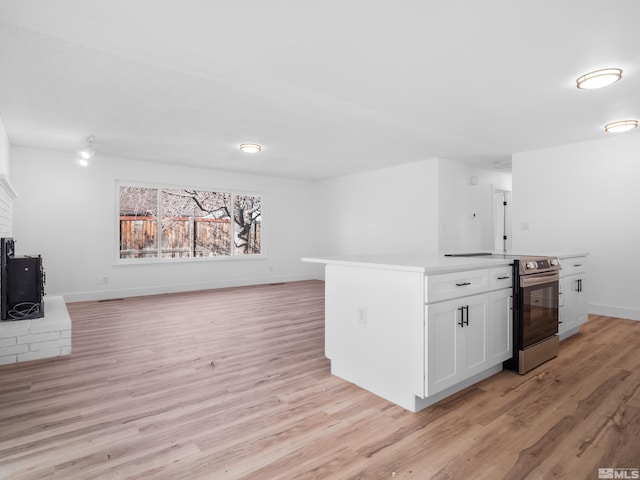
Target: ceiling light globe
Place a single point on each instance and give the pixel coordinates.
(87, 153)
(250, 147)
(621, 126)
(599, 78)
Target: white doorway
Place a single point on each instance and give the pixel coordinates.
(502, 220)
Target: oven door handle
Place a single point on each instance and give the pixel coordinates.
(541, 279)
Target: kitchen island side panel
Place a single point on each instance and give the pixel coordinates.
(374, 330)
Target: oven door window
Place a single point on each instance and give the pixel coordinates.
(539, 312)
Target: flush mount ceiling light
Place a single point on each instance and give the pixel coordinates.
(250, 147)
(621, 126)
(599, 78)
(87, 152)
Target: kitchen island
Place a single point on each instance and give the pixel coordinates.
(416, 328)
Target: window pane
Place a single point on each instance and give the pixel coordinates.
(195, 223)
(186, 223)
(248, 220)
(138, 222)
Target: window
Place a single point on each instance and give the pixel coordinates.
(188, 223)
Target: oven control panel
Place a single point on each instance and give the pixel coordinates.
(538, 264)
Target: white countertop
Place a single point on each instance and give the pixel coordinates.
(562, 255)
(427, 263)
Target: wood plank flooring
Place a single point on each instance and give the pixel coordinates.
(233, 384)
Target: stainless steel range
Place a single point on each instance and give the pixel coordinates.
(535, 313)
(535, 309)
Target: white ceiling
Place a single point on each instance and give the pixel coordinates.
(327, 87)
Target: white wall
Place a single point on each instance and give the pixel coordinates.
(68, 214)
(4, 150)
(466, 210)
(416, 207)
(387, 210)
(6, 191)
(585, 197)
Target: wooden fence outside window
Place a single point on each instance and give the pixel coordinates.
(184, 237)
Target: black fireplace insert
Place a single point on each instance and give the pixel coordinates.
(21, 284)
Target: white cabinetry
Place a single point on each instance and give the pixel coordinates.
(458, 339)
(573, 296)
(459, 284)
(415, 329)
(468, 334)
(501, 339)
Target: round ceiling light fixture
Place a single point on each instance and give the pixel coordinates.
(599, 78)
(621, 126)
(250, 147)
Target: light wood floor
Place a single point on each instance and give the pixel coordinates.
(233, 384)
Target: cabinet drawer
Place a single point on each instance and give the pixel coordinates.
(573, 265)
(454, 285)
(500, 278)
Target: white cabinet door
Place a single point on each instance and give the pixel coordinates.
(501, 325)
(581, 300)
(566, 310)
(475, 335)
(457, 341)
(443, 329)
(573, 296)
(574, 311)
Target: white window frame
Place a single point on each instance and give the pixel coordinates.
(159, 259)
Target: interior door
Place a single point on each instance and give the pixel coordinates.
(502, 220)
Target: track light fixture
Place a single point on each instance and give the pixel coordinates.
(87, 152)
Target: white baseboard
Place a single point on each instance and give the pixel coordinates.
(613, 311)
(176, 288)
